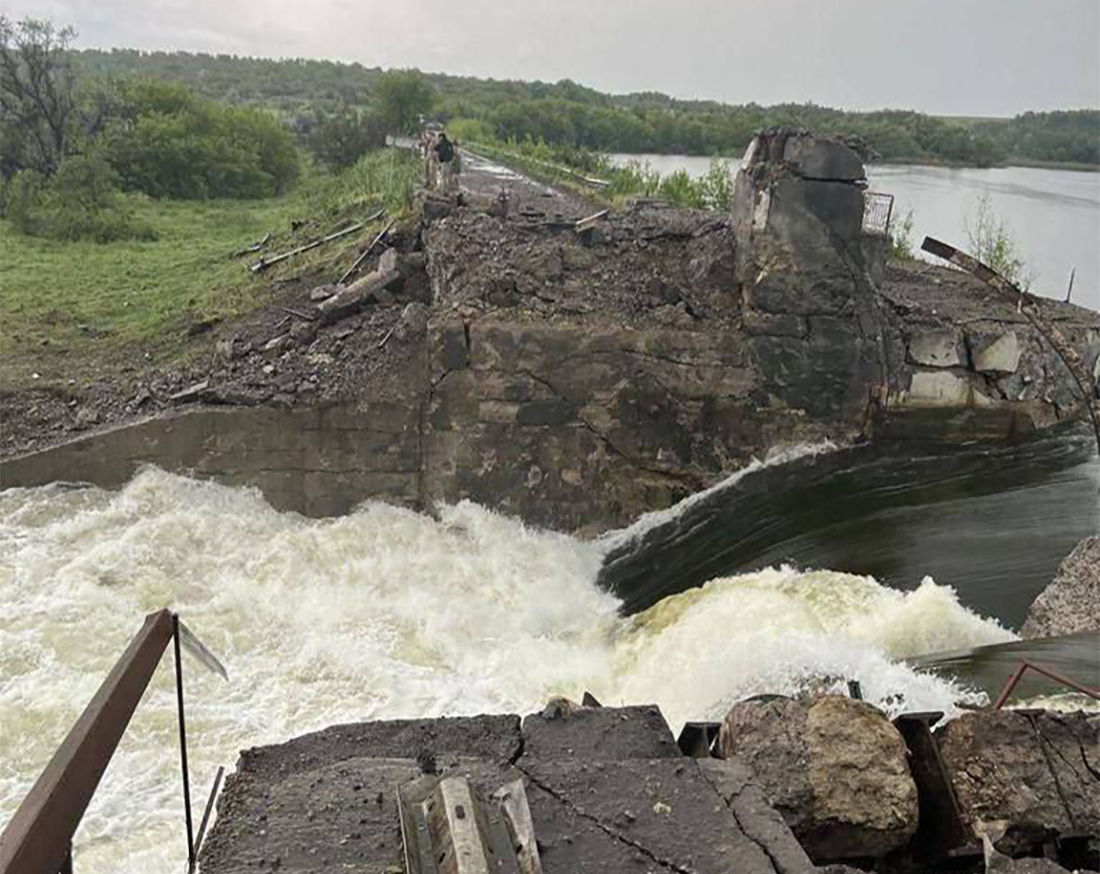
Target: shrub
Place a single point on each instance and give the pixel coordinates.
(169, 143)
(79, 202)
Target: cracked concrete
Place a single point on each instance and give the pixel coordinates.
(607, 788)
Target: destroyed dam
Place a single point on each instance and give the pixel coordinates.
(571, 539)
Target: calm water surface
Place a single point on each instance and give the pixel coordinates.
(1053, 215)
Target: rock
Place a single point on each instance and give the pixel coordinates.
(1000, 356)
(835, 768)
(936, 349)
(324, 292)
(1071, 603)
(232, 348)
(1034, 774)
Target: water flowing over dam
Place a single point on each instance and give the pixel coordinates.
(389, 613)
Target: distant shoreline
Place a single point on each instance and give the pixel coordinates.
(910, 162)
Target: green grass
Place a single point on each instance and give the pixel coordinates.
(88, 311)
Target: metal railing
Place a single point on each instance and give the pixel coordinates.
(877, 211)
(1025, 666)
(38, 838)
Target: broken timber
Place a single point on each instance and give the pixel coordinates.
(366, 251)
(1027, 304)
(264, 263)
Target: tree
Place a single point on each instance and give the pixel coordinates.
(37, 103)
(341, 138)
(402, 96)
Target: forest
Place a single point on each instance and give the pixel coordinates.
(566, 113)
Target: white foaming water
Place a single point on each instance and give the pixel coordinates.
(385, 613)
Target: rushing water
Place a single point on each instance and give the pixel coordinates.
(1053, 215)
(387, 613)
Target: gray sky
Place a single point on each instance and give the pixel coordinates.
(963, 57)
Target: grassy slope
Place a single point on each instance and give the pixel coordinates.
(103, 308)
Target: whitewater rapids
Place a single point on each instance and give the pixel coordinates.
(386, 613)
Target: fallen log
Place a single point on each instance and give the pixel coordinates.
(264, 263)
(363, 255)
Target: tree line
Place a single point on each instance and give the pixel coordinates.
(567, 113)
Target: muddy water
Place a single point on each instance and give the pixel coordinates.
(1054, 215)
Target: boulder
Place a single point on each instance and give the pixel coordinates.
(1071, 603)
(835, 768)
(1028, 776)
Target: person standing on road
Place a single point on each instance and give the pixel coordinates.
(445, 157)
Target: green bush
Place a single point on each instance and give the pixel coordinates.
(80, 201)
(169, 143)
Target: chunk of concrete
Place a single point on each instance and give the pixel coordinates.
(607, 733)
(1000, 356)
(936, 349)
(928, 389)
(835, 768)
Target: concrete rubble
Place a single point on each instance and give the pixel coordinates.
(579, 380)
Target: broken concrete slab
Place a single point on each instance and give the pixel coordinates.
(761, 822)
(606, 733)
(661, 813)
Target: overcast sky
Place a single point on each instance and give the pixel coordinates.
(962, 57)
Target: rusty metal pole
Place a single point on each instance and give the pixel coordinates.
(183, 743)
